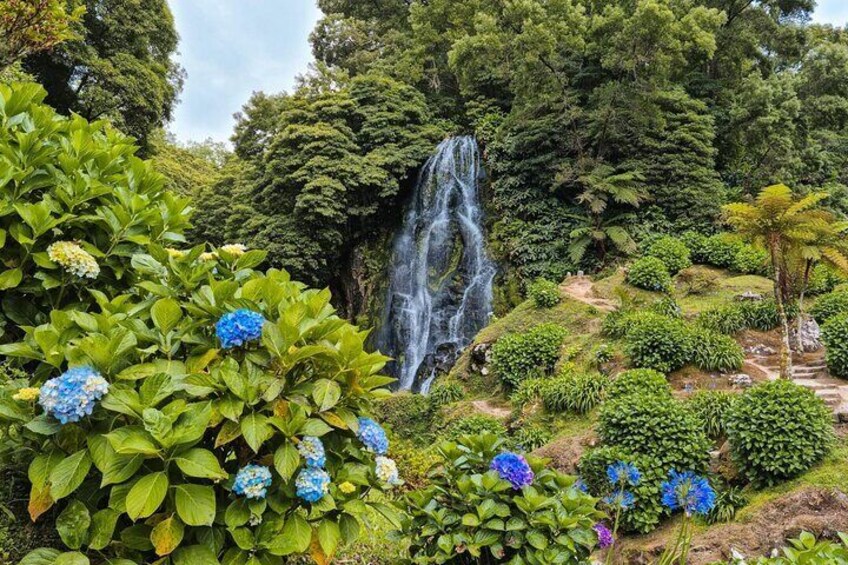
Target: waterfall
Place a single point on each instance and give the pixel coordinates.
(440, 290)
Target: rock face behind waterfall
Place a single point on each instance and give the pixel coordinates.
(440, 291)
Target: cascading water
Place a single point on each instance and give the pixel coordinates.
(440, 292)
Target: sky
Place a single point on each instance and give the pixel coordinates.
(231, 48)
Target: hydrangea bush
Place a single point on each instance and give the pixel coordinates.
(516, 357)
(672, 252)
(649, 273)
(223, 420)
(486, 505)
(77, 205)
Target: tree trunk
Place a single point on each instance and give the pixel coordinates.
(785, 351)
(800, 320)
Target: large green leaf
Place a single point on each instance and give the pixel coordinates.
(294, 537)
(255, 429)
(166, 314)
(69, 474)
(72, 524)
(202, 463)
(286, 460)
(195, 504)
(147, 495)
(167, 535)
(326, 393)
(102, 528)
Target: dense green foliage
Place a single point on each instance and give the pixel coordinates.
(824, 278)
(806, 549)
(473, 425)
(183, 414)
(829, 306)
(468, 514)
(777, 430)
(28, 27)
(672, 252)
(657, 342)
(649, 273)
(68, 180)
(544, 293)
(716, 352)
(516, 357)
(835, 338)
(573, 392)
(710, 406)
(117, 67)
(646, 381)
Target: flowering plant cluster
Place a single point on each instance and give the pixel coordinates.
(225, 418)
(478, 488)
(74, 259)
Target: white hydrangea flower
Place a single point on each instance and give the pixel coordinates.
(74, 259)
(235, 249)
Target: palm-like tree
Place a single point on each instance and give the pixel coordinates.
(784, 226)
(601, 187)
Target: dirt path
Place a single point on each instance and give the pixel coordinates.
(489, 409)
(581, 289)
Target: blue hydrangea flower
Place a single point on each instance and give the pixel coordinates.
(386, 470)
(73, 395)
(312, 450)
(513, 468)
(689, 492)
(252, 481)
(312, 484)
(234, 329)
(580, 485)
(372, 435)
(620, 499)
(621, 474)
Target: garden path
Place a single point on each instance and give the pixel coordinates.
(580, 288)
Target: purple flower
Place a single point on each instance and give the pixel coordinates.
(513, 468)
(605, 538)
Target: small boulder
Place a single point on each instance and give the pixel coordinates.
(809, 338)
(749, 296)
(741, 380)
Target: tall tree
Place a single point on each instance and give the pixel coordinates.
(32, 26)
(122, 67)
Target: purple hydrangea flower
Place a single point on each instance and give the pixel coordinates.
(605, 538)
(73, 395)
(689, 492)
(234, 329)
(513, 468)
(372, 436)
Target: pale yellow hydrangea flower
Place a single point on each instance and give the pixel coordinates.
(27, 394)
(236, 249)
(74, 259)
(347, 487)
(175, 253)
(208, 256)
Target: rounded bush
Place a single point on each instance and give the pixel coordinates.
(531, 437)
(660, 343)
(647, 509)
(516, 357)
(445, 393)
(716, 352)
(667, 306)
(191, 439)
(472, 496)
(727, 320)
(657, 426)
(762, 315)
(751, 260)
(407, 415)
(672, 252)
(778, 430)
(472, 425)
(720, 250)
(829, 306)
(642, 381)
(711, 406)
(696, 242)
(544, 293)
(835, 337)
(649, 273)
(824, 278)
(617, 323)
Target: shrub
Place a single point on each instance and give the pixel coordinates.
(545, 294)
(657, 426)
(721, 249)
(727, 320)
(407, 415)
(647, 509)
(473, 425)
(696, 281)
(445, 393)
(672, 252)
(824, 278)
(716, 352)
(576, 392)
(667, 306)
(762, 314)
(531, 437)
(697, 244)
(413, 459)
(835, 338)
(150, 470)
(777, 430)
(751, 260)
(617, 323)
(528, 391)
(806, 550)
(729, 500)
(829, 306)
(642, 381)
(710, 406)
(77, 205)
(649, 273)
(516, 357)
(660, 343)
(470, 514)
